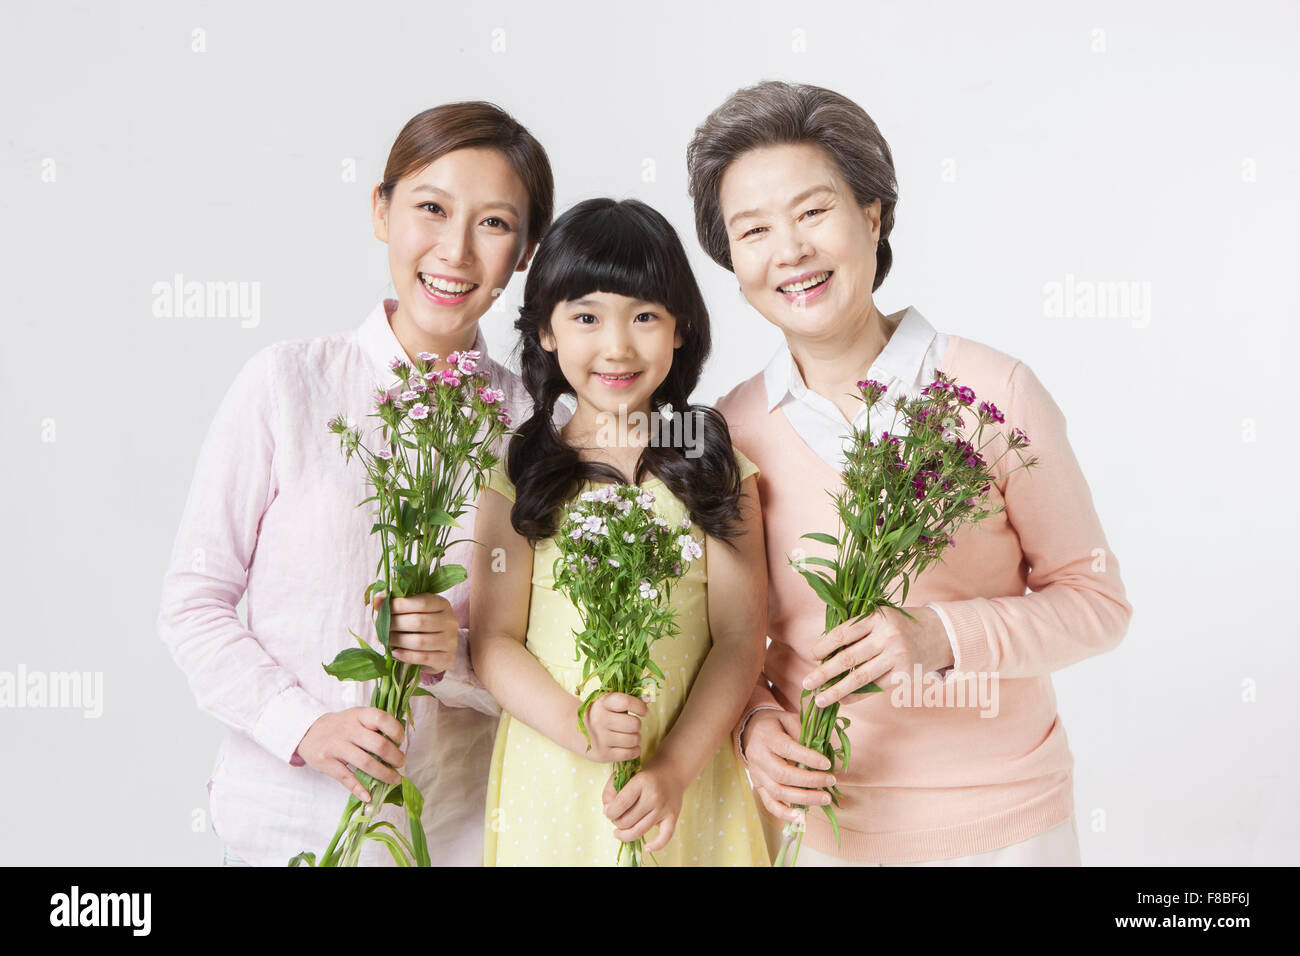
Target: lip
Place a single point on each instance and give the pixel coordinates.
(809, 294)
(442, 299)
(619, 383)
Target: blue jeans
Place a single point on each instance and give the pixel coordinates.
(229, 859)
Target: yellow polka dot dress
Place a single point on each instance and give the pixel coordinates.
(544, 802)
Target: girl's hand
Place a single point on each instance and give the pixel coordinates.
(614, 723)
(653, 796)
(423, 631)
(771, 747)
(882, 647)
(360, 736)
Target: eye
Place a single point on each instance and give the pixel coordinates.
(813, 212)
(647, 315)
(584, 315)
(499, 221)
(426, 205)
(751, 231)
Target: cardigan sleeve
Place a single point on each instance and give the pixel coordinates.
(1077, 606)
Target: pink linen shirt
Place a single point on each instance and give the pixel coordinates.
(272, 517)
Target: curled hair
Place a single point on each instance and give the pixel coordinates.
(622, 248)
(773, 113)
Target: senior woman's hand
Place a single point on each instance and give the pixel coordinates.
(883, 647)
(771, 747)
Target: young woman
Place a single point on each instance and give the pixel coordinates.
(794, 192)
(272, 518)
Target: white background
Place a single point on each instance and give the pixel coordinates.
(1111, 142)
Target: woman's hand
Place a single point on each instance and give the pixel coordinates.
(423, 631)
(883, 647)
(614, 723)
(653, 796)
(771, 747)
(360, 736)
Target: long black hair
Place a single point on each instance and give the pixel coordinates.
(621, 248)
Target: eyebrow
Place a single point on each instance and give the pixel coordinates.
(749, 213)
(495, 204)
(590, 302)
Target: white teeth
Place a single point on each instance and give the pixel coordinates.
(805, 284)
(442, 285)
(617, 378)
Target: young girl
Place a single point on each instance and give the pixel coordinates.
(272, 517)
(612, 316)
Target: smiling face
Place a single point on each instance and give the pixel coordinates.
(456, 231)
(614, 351)
(801, 247)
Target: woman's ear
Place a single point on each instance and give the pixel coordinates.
(547, 339)
(527, 257)
(379, 214)
(872, 212)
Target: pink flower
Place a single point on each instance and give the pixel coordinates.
(427, 356)
(384, 453)
(449, 378)
(419, 412)
(395, 364)
(410, 395)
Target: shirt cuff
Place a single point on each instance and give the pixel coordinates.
(285, 721)
(952, 639)
(965, 627)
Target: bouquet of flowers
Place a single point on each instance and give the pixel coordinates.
(902, 500)
(617, 561)
(437, 435)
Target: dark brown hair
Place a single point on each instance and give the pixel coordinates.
(439, 130)
(773, 113)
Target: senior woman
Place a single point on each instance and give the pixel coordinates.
(794, 192)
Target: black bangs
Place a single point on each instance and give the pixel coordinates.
(603, 246)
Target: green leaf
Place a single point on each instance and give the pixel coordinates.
(415, 807)
(445, 577)
(823, 538)
(421, 692)
(835, 824)
(303, 857)
(826, 590)
(383, 621)
(438, 516)
(654, 669)
(357, 663)
(822, 562)
(872, 688)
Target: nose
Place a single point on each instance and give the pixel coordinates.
(455, 246)
(793, 248)
(617, 342)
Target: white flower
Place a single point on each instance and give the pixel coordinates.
(660, 522)
(575, 515)
(647, 591)
(629, 537)
(624, 507)
(614, 561)
(690, 548)
(646, 500)
(588, 496)
(592, 523)
(686, 521)
(575, 534)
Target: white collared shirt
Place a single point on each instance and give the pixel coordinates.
(906, 365)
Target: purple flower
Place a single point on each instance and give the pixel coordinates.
(991, 410)
(965, 395)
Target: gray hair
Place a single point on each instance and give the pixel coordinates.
(772, 113)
